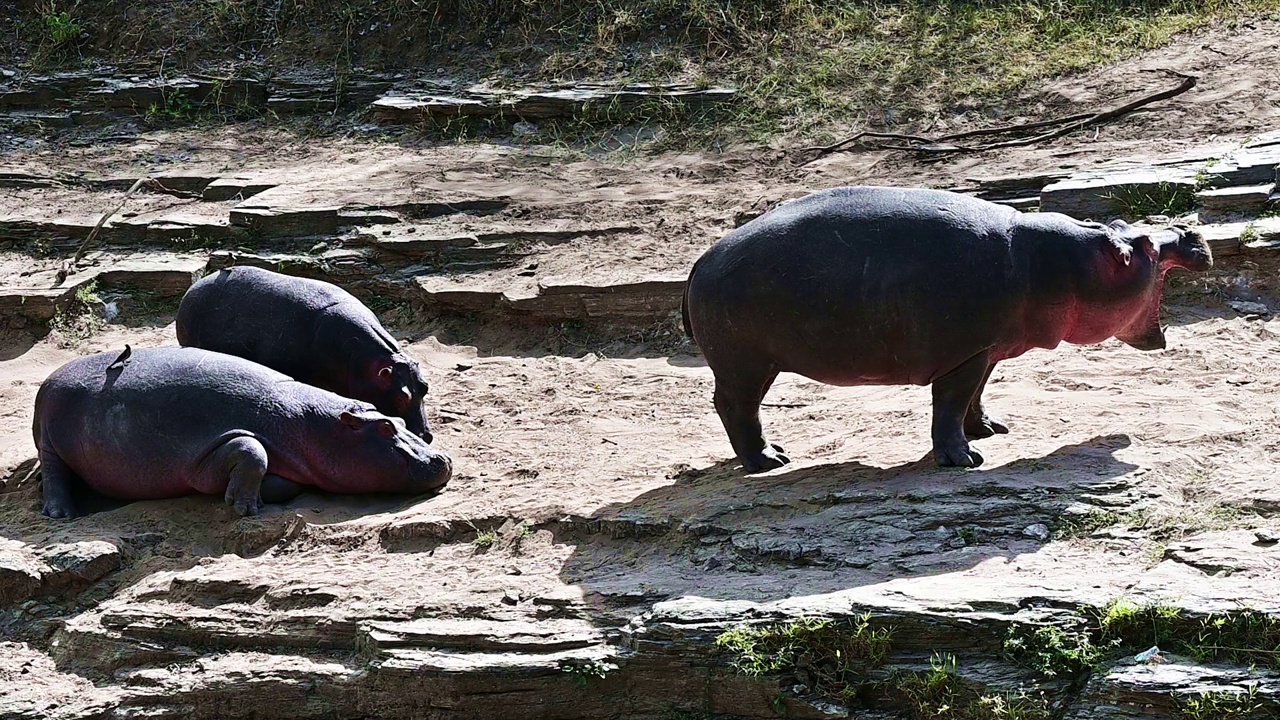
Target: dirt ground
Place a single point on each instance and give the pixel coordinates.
(612, 455)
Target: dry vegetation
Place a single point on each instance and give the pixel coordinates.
(806, 67)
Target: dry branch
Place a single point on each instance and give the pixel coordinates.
(150, 183)
(945, 144)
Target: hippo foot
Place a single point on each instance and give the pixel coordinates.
(245, 506)
(59, 509)
(958, 456)
(771, 458)
(984, 426)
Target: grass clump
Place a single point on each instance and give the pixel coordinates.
(836, 654)
(485, 539)
(583, 671)
(941, 694)
(1142, 201)
(79, 319)
(1222, 705)
(1054, 651)
(1244, 637)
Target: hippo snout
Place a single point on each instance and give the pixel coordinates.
(434, 473)
(1151, 340)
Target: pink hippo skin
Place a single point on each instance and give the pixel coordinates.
(894, 286)
(166, 422)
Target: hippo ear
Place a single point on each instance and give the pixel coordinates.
(386, 428)
(1120, 250)
(350, 421)
(384, 372)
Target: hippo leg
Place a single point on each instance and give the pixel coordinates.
(276, 489)
(242, 462)
(977, 423)
(738, 403)
(953, 395)
(56, 482)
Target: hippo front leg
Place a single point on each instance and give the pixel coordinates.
(242, 464)
(977, 423)
(953, 396)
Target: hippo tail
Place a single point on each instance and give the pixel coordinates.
(684, 305)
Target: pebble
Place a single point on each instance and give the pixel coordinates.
(511, 597)
(1039, 531)
(1267, 537)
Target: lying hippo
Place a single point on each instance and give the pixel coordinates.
(892, 286)
(167, 422)
(310, 330)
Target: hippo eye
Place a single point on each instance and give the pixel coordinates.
(386, 428)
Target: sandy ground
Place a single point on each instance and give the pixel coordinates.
(614, 457)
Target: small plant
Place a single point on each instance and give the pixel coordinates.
(174, 106)
(1053, 651)
(485, 539)
(87, 294)
(1079, 526)
(583, 671)
(73, 327)
(1222, 705)
(836, 655)
(61, 27)
(941, 694)
(968, 533)
(1140, 201)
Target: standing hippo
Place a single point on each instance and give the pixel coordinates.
(310, 330)
(893, 286)
(167, 422)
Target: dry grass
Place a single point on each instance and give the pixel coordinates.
(806, 67)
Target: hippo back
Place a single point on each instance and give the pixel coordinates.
(276, 320)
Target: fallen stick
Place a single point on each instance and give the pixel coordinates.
(150, 183)
(943, 144)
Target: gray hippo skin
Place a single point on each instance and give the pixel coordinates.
(167, 422)
(310, 330)
(895, 286)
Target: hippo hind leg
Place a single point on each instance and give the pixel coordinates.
(276, 489)
(56, 484)
(953, 397)
(242, 463)
(737, 399)
(977, 423)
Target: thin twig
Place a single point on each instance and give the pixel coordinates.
(103, 220)
(944, 144)
(1188, 82)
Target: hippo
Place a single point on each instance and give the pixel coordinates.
(310, 330)
(166, 422)
(893, 286)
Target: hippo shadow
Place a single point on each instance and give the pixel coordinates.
(717, 533)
